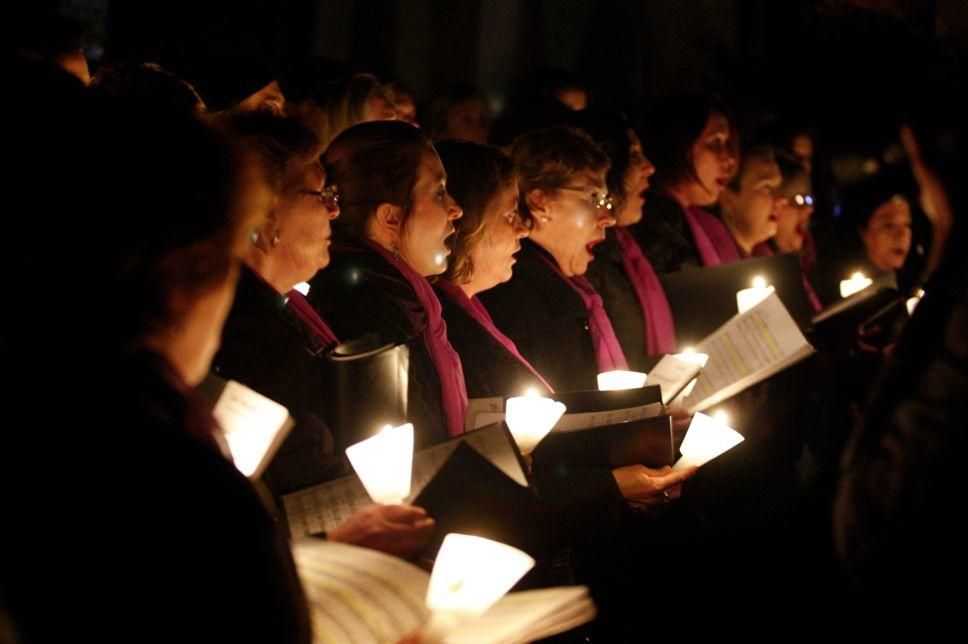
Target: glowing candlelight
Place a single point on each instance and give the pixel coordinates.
(707, 438)
(857, 282)
(530, 418)
(472, 573)
(912, 302)
(383, 462)
(302, 287)
(692, 357)
(750, 297)
(613, 380)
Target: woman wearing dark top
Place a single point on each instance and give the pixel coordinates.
(483, 181)
(154, 532)
(273, 338)
(633, 296)
(548, 308)
(691, 140)
(396, 216)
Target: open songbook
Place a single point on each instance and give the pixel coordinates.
(748, 349)
(673, 375)
(362, 596)
(253, 426)
(583, 409)
(323, 507)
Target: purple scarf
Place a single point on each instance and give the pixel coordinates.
(660, 330)
(473, 307)
(608, 352)
(449, 371)
(713, 241)
(303, 310)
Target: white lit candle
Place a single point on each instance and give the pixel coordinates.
(530, 418)
(707, 438)
(383, 462)
(912, 302)
(857, 282)
(614, 380)
(691, 356)
(750, 297)
(472, 573)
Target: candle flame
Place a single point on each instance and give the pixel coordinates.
(759, 282)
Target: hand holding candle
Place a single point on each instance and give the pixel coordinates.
(383, 462)
(706, 439)
(750, 297)
(530, 418)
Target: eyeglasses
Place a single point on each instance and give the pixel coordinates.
(595, 200)
(328, 196)
(801, 200)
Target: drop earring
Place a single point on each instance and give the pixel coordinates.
(275, 238)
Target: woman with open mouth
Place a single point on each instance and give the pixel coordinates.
(751, 203)
(396, 217)
(633, 295)
(552, 313)
(692, 140)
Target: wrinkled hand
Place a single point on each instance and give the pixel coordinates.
(399, 530)
(642, 487)
(680, 422)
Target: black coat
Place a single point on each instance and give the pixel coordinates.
(546, 319)
(360, 293)
(607, 275)
(489, 369)
(152, 533)
(665, 237)
(265, 347)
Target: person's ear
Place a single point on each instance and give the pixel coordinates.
(386, 225)
(265, 236)
(539, 205)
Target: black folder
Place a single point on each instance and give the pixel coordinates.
(649, 441)
(703, 299)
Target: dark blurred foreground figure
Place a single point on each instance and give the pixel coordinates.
(897, 519)
(130, 522)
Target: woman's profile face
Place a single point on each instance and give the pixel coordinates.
(793, 215)
(304, 227)
(492, 258)
(754, 207)
(422, 242)
(575, 221)
(635, 183)
(887, 236)
(712, 161)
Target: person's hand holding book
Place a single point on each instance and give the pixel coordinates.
(400, 530)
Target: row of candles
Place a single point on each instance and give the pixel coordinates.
(472, 573)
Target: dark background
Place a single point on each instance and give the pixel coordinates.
(852, 69)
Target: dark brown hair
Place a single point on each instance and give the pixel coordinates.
(373, 163)
(548, 159)
(475, 175)
(673, 125)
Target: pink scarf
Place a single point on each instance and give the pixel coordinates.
(303, 310)
(660, 330)
(608, 352)
(713, 241)
(449, 370)
(473, 307)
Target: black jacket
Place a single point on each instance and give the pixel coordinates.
(152, 534)
(665, 237)
(361, 293)
(265, 347)
(489, 369)
(547, 320)
(607, 275)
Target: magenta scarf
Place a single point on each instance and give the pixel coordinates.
(449, 370)
(660, 330)
(608, 352)
(713, 241)
(473, 307)
(303, 310)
